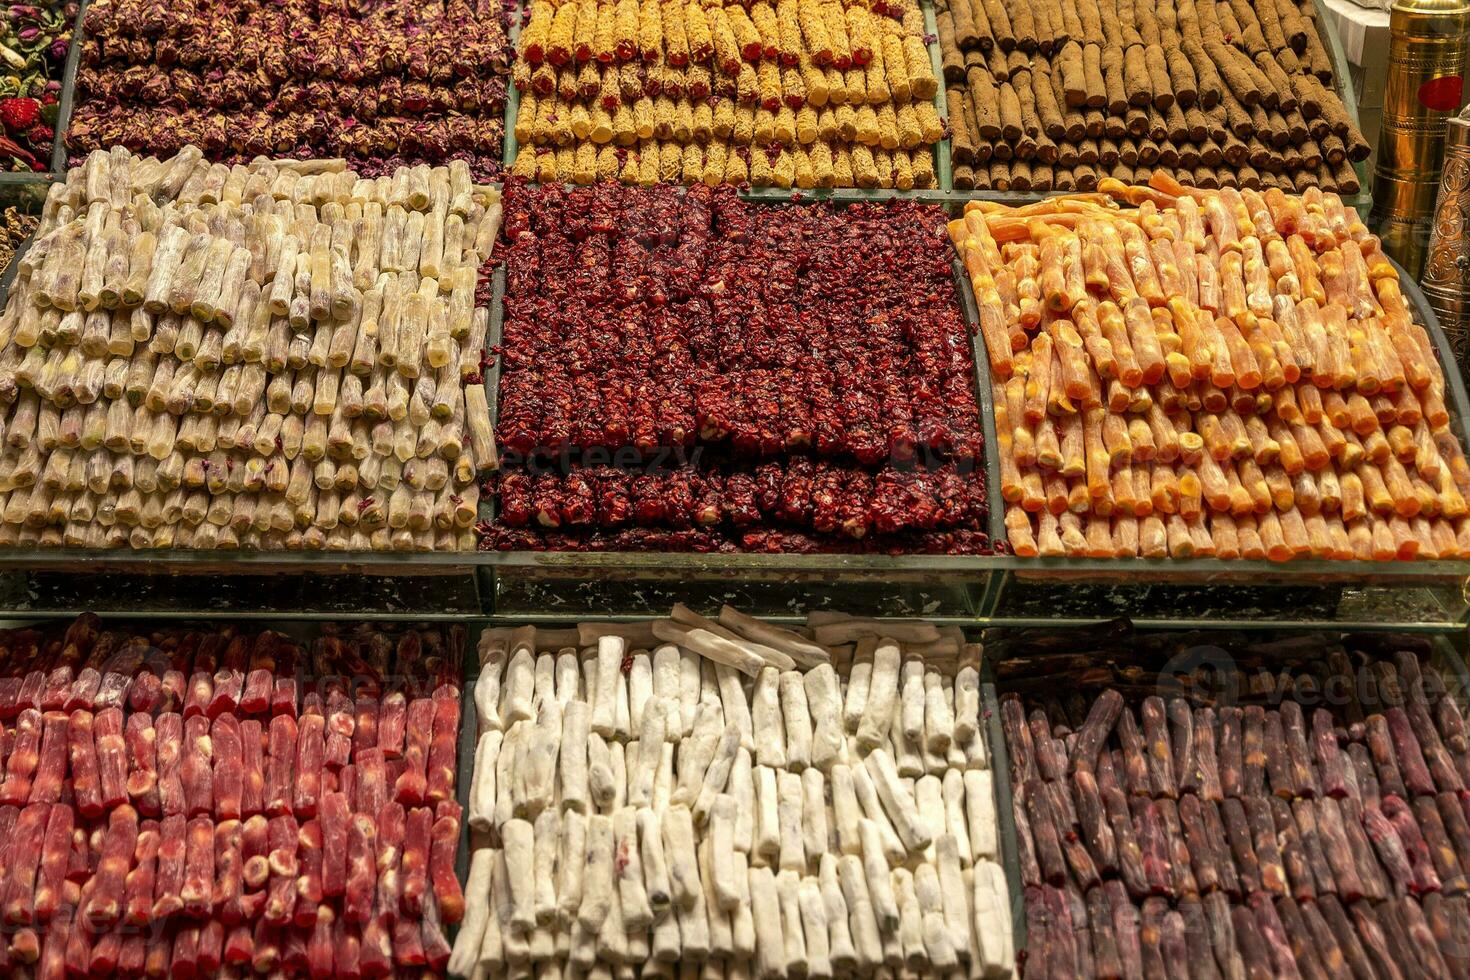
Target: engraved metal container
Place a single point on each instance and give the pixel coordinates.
(1447, 266)
(1426, 63)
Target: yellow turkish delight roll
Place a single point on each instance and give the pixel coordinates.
(744, 132)
(525, 127)
(697, 30)
(768, 84)
(896, 68)
(693, 164)
(747, 85)
(602, 125)
(784, 127)
(608, 164)
(883, 164)
(760, 167)
(861, 34)
(604, 39)
(783, 172)
(648, 161)
(703, 126)
(806, 125)
(788, 23)
(736, 169)
(650, 30)
(814, 82)
(525, 165)
(814, 30)
(805, 174)
(922, 82)
(930, 125)
(826, 124)
(820, 155)
(765, 127)
(842, 167)
(837, 93)
(727, 50)
(625, 129)
(906, 126)
(714, 163)
(584, 168)
(663, 117)
(683, 121)
(846, 124)
(747, 38)
(584, 33)
(538, 31)
(922, 160)
(625, 30)
(868, 132)
(724, 118)
(676, 44)
(670, 162)
(764, 17)
(903, 171)
(632, 167)
(559, 39)
(643, 118)
(837, 31)
(566, 84)
(863, 168)
(793, 88)
(888, 137)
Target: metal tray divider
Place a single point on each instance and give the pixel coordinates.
(1000, 769)
(67, 105)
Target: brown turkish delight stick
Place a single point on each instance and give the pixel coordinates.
(1199, 849)
(280, 766)
(55, 856)
(392, 724)
(229, 768)
(1122, 915)
(25, 858)
(1309, 961)
(1251, 942)
(1391, 852)
(1425, 877)
(1095, 730)
(1376, 886)
(252, 768)
(1414, 938)
(1096, 831)
(1294, 726)
(281, 898)
(110, 881)
(1408, 753)
(1277, 850)
(196, 767)
(1330, 762)
(1242, 847)
(1278, 761)
(112, 757)
(1330, 952)
(443, 748)
(1135, 767)
(1231, 764)
(1456, 825)
(1345, 932)
(443, 846)
(1106, 961)
(1207, 772)
(1185, 882)
(1061, 934)
(1305, 818)
(1385, 760)
(1253, 751)
(1337, 850)
(1160, 754)
(1445, 917)
(1084, 870)
(361, 889)
(1044, 832)
(1181, 731)
(229, 886)
(1441, 763)
(172, 849)
(1273, 935)
(198, 891)
(1061, 807)
(1130, 855)
(310, 752)
(1018, 741)
(51, 769)
(1441, 848)
(1153, 842)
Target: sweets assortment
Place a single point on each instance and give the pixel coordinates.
(34, 42)
(271, 356)
(792, 93)
(1210, 373)
(1263, 807)
(685, 371)
(387, 84)
(218, 803)
(1050, 95)
(732, 798)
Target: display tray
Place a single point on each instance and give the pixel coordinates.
(1342, 85)
(1160, 589)
(572, 585)
(1447, 658)
(940, 193)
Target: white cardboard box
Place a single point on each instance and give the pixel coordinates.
(1364, 36)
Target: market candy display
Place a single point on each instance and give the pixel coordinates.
(655, 795)
(384, 85)
(1210, 373)
(683, 370)
(796, 93)
(262, 357)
